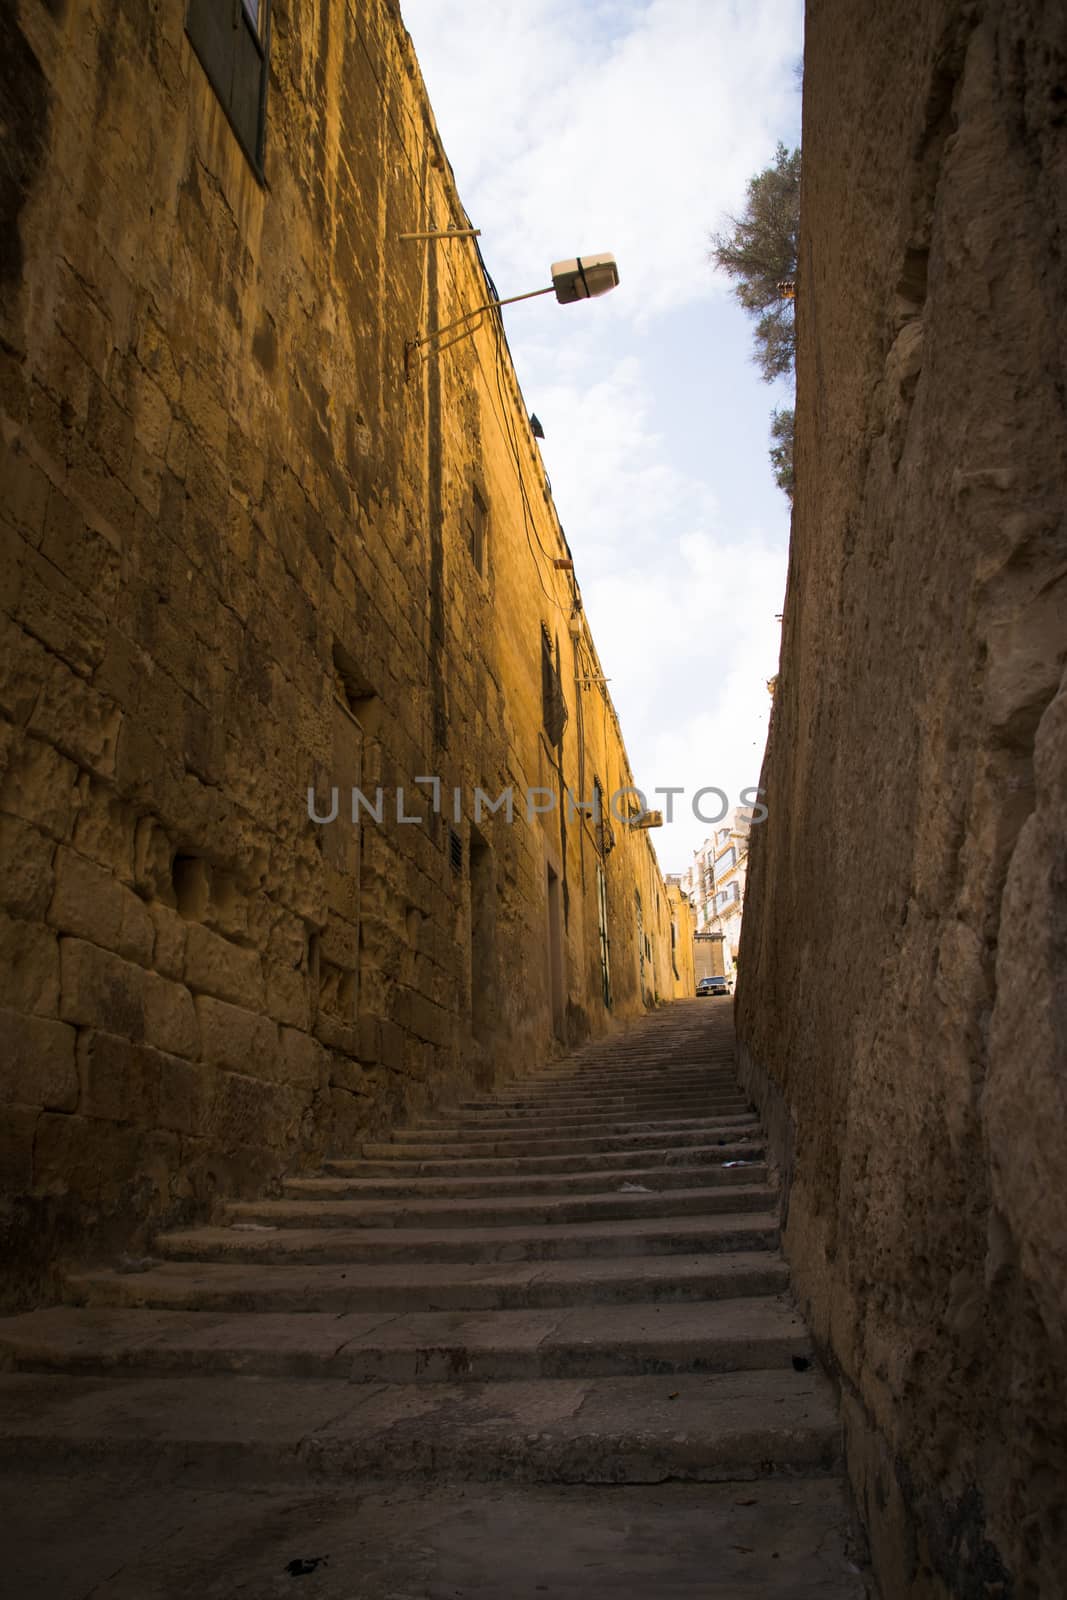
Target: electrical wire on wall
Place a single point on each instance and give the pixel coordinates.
(501, 370)
(500, 340)
(528, 519)
(579, 723)
(508, 429)
(503, 373)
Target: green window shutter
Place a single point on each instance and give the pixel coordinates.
(213, 36)
(233, 54)
(248, 70)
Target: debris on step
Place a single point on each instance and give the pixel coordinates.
(130, 1264)
(303, 1566)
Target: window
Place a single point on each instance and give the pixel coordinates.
(605, 839)
(726, 862)
(352, 691)
(232, 41)
(477, 519)
(727, 896)
(455, 851)
(553, 705)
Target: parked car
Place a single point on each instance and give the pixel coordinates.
(714, 985)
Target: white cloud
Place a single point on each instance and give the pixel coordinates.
(633, 125)
(614, 484)
(608, 126)
(689, 641)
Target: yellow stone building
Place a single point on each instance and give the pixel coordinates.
(256, 545)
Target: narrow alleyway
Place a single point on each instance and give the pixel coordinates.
(416, 1375)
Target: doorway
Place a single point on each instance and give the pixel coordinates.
(555, 954)
(483, 936)
(602, 923)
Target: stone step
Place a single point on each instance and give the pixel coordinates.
(497, 1212)
(415, 1347)
(738, 1230)
(622, 1082)
(236, 1429)
(655, 1109)
(665, 1117)
(619, 1064)
(574, 1070)
(579, 1099)
(522, 1168)
(784, 1538)
(734, 1170)
(528, 1128)
(518, 1144)
(562, 1093)
(550, 1121)
(446, 1286)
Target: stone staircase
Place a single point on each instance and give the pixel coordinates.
(575, 1282)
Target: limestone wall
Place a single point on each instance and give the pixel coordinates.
(240, 536)
(903, 995)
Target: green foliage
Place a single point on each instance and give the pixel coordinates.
(758, 250)
(781, 451)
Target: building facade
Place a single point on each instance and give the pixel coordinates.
(302, 722)
(715, 881)
(729, 866)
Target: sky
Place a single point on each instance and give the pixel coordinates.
(633, 126)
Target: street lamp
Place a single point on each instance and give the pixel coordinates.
(582, 278)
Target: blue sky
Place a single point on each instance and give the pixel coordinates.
(633, 126)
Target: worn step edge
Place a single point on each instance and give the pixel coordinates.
(736, 1106)
(742, 1425)
(673, 1071)
(565, 1241)
(625, 1070)
(661, 1158)
(655, 1111)
(545, 1211)
(717, 1174)
(519, 1142)
(664, 1095)
(666, 1117)
(741, 1334)
(593, 1104)
(447, 1286)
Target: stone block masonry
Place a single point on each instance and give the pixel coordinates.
(901, 1001)
(237, 562)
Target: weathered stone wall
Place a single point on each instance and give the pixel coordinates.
(237, 561)
(903, 998)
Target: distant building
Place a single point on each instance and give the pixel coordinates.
(715, 882)
(729, 870)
